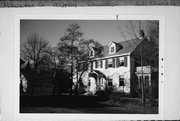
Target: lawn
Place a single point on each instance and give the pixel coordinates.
(83, 104)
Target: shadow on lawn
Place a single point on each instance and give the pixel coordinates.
(60, 101)
(81, 104)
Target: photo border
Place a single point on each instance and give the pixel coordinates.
(65, 116)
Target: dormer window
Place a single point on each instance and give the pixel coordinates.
(112, 49)
(91, 53)
(94, 51)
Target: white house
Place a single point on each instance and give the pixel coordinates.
(114, 65)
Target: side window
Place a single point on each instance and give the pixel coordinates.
(147, 78)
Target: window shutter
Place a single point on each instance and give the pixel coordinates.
(113, 63)
(101, 63)
(117, 62)
(125, 61)
(91, 65)
(106, 63)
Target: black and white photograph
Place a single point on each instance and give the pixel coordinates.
(89, 66)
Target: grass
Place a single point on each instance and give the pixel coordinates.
(82, 104)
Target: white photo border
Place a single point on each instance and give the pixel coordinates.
(62, 116)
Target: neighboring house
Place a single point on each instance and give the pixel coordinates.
(115, 65)
(23, 80)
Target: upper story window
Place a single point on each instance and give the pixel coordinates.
(110, 63)
(121, 61)
(98, 64)
(90, 66)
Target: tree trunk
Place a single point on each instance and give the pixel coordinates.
(54, 83)
(77, 83)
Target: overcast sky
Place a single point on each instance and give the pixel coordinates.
(103, 31)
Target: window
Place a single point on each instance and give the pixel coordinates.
(112, 49)
(110, 63)
(98, 64)
(89, 84)
(110, 82)
(121, 61)
(101, 81)
(121, 80)
(146, 78)
(91, 53)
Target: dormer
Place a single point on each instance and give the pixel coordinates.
(114, 47)
(91, 52)
(94, 51)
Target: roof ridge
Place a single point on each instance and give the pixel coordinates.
(122, 41)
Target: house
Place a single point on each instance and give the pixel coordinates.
(114, 65)
(23, 80)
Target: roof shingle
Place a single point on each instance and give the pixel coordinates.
(127, 47)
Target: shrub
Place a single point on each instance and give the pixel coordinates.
(115, 96)
(107, 93)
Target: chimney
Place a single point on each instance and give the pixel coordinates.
(141, 34)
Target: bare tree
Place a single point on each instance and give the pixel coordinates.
(35, 50)
(147, 54)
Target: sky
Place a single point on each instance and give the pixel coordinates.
(104, 31)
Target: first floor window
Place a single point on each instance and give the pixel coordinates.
(146, 81)
(110, 83)
(121, 80)
(101, 81)
(89, 83)
(147, 78)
